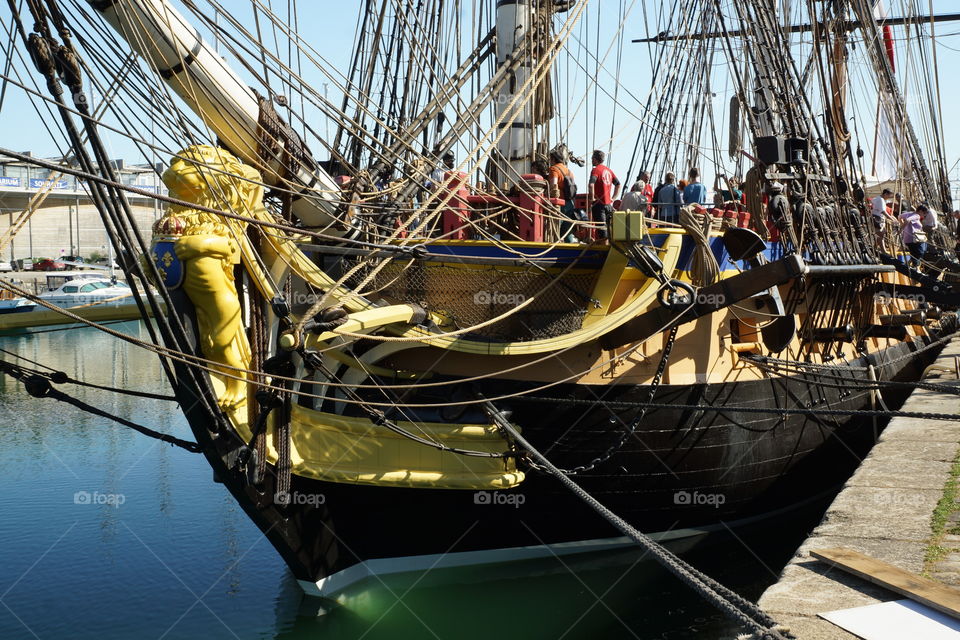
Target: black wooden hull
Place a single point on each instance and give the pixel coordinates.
(682, 469)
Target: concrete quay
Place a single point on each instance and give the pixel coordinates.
(885, 510)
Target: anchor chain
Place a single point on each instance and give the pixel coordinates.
(632, 427)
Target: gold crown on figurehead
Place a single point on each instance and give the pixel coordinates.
(169, 226)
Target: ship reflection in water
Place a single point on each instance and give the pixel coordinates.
(107, 534)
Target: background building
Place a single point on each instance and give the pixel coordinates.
(64, 220)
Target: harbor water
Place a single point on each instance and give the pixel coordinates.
(110, 535)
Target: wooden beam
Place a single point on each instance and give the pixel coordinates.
(849, 25)
(933, 594)
(717, 296)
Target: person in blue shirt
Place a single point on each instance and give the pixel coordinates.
(668, 200)
(695, 192)
(732, 192)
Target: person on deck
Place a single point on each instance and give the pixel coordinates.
(727, 193)
(911, 231)
(668, 200)
(437, 175)
(431, 185)
(656, 198)
(635, 200)
(562, 186)
(878, 209)
(695, 192)
(930, 222)
(604, 189)
(879, 213)
(644, 177)
(894, 205)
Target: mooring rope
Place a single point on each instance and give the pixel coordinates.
(61, 377)
(731, 604)
(40, 386)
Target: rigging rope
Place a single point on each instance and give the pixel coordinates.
(39, 386)
(60, 377)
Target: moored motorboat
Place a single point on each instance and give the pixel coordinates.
(89, 291)
(88, 298)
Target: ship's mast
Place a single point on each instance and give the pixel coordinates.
(516, 147)
(933, 184)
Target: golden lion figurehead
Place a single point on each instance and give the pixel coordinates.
(213, 178)
(208, 246)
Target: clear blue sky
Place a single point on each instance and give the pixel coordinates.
(329, 26)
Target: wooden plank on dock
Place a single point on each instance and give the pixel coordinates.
(933, 594)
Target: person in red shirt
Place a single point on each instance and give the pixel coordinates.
(563, 186)
(644, 177)
(604, 189)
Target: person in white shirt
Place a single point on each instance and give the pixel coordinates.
(930, 222)
(634, 200)
(878, 209)
(440, 172)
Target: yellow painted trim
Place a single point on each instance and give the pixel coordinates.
(369, 369)
(361, 322)
(366, 321)
(287, 250)
(353, 450)
(610, 276)
(506, 267)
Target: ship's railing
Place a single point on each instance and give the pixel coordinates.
(526, 213)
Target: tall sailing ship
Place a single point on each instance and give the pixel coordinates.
(348, 317)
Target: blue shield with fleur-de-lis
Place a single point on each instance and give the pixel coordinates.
(168, 264)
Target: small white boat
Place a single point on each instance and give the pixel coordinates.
(89, 291)
(16, 305)
(91, 297)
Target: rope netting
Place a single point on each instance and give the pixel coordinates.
(470, 296)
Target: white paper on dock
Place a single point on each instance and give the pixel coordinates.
(895, 620)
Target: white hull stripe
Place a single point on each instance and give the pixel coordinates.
(332, 585)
